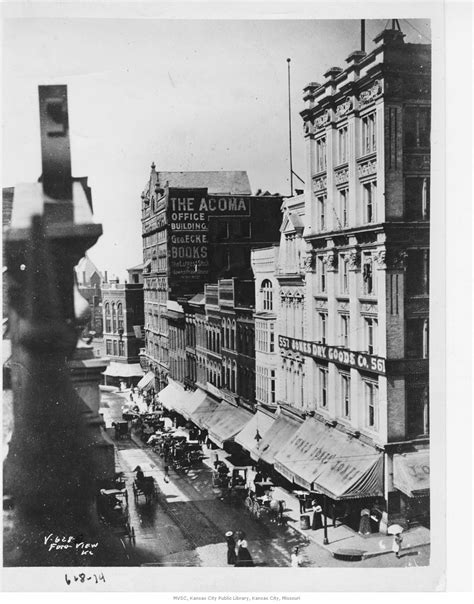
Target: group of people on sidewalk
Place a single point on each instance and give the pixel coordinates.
(237, 549)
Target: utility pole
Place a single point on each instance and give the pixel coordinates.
(289, 127)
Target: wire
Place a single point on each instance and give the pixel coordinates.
(417, 30)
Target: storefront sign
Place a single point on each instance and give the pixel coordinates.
(342, 356)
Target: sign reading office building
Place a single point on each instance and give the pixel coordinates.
(336, 354)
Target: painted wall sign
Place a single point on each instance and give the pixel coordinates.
(227, 206)
(358, 360)
(188, 223)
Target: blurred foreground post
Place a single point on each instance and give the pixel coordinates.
(55, 457)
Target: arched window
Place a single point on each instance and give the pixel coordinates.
(120, 316)
(114, 318)
(107, 318)
(267, 291)
(233, 338)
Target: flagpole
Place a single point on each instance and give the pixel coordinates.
(289, 128)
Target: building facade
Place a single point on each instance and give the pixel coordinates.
(89, 282)
(363, 358)
(123, 318)
(197, 227)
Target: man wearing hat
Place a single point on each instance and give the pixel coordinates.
(231, 555)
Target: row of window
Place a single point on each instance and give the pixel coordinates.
(265, 388)
(417, 203)
(416, 132)
(113, 317)
(115, 348)
(264, 336)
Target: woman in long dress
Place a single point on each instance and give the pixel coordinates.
(317, 518)
(243, 555)
(231, 555)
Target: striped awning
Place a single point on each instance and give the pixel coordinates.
(147, 381)
(321, 458)
(411, 473)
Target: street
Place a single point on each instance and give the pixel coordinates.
(186, 525)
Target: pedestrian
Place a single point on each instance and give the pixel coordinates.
(231, 555)
(302, 502)
(364, 524)
(167, 473)
(243, 555)
(317, 518)
(397, 544)
(295, 557)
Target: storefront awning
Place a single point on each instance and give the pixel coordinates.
(169, 396)
(321, 458)
(411, 473)
(123, 370)
(203, 411)
(253, 432)
(196, 398)
(147, 381)
(278, 433)
(226, 421)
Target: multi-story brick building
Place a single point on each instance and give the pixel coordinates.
(123, 326)
(197, 227)
(353, 288)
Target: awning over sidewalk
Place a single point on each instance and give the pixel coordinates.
(226, 421)
(169, 396)
(196, 398)
(123, 370)
(278, 433)
(321, 458)
(411, 473)
(251, 435)
(203, 411)
(147, 381)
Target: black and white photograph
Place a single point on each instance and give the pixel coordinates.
(217, 297)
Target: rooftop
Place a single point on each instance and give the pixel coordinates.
(219, 182)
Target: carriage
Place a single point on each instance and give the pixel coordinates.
(231, 484)
(112, 507)
(123, 430)
(265, 506)
(146, 486)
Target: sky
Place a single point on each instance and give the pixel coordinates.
(185, 94)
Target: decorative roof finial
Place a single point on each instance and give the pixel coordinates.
(153, 165)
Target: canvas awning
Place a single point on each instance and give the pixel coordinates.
(147, 381)
(196, 398)
(203, 411)
(321, 458)
(251, 435)
(226, 421)
(411, 473)
(123, 370)
(168, 396)
(278, 433)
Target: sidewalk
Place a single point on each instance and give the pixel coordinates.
(342, 537)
